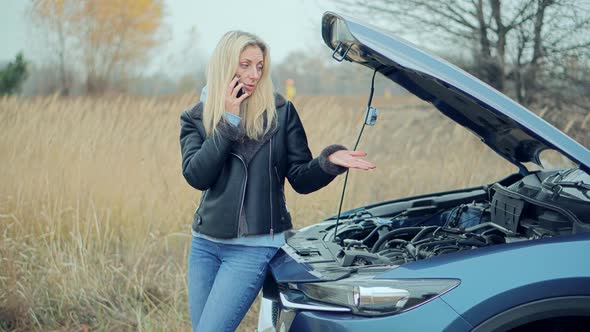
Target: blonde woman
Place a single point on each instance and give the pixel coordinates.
(238, 146)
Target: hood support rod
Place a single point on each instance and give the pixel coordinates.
(336, 239)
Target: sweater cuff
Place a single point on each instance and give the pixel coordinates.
(232, 118)
(229, 131)
(326, 165)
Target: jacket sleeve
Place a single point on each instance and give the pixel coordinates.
(203, 157)
(306, 174)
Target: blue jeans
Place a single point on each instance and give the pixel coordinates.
(223, 281)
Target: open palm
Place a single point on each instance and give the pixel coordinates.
(351, 159)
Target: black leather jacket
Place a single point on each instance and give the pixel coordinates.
(232, 186)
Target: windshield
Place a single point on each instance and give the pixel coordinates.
(551, 159)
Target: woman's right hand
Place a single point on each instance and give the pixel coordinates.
(232, 102)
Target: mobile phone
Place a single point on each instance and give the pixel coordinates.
(240, 92)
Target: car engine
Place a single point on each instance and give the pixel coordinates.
(539, 205)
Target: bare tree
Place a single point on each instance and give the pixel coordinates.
(54, 21)
(520, 47)
(105, 40)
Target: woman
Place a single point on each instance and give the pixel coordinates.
(237, 147)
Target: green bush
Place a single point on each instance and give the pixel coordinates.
(13, 75)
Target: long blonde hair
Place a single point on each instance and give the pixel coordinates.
(256, 109)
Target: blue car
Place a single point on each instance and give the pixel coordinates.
(508, 256)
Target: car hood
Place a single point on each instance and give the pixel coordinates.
(508, 128)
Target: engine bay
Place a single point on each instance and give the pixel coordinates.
(539, 205)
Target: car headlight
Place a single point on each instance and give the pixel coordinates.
(374, 297)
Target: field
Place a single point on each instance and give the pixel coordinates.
(95, 214)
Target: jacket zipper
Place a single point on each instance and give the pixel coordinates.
(202, 201)
(272, 236)
(243, 193)
(282, 191)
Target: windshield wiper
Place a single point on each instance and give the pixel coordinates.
(576, 184)
(560, 175)
(557, 187)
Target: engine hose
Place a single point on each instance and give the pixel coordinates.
(412, 231)
(417, 243)
(373, 232)
(390, 243)
(436, 251)
(436, 243)
(422, 233)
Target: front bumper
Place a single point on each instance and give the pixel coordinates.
(436, 315)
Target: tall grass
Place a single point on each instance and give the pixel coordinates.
(95, 215)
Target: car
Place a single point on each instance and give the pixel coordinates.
(509, 255)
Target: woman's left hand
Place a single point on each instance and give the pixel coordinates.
(350, 159)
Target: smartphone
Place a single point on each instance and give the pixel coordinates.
(241, 92)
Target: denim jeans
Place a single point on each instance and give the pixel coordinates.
(223, 281)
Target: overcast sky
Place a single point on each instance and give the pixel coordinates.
(284, 25)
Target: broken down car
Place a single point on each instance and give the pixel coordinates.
(509, 255)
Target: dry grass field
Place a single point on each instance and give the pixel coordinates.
(95, 214)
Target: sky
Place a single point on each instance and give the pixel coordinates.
(285, 25)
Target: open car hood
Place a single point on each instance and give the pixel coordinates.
(508, 128)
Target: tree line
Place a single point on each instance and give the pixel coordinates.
(536, 51)
(101, 43)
